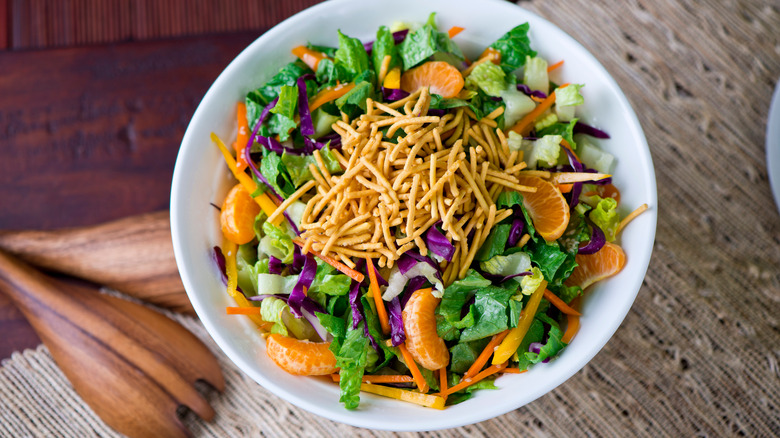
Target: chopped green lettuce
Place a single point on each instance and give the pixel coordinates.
(489, 77)
(495, 242)
(298, 165)
(323, 122)
(517, 105)
(593, 157)
(506, 265)
(566, 99)
(535, 75)
(277, 243)
(425, 42)
(354, 101)
(274, 170)
(352, 358)
(514, 46)
(529, 283)
(351, 55)
(546, 150)
(606, 217)
(384, 45)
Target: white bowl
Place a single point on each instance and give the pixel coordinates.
(201, 178)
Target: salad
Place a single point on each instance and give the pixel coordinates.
(413, 223)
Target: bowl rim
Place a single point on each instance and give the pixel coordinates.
(572, 366)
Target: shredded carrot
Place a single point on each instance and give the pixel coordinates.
(523, 126)
(243, 136)
(378, 378)
(572, 324)
(422, 385)
(443, 381)
(344, 269)
(554, 66)
(249, 184)
(537, 99)
(631, 216)
(454, 30)
(242, 310)
(513, 371)
(309, 57)
(485, 355)
(381, 311)
(328, 94)
(558, 303)
(565, 188)
(465, 383)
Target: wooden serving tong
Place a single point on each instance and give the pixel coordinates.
(132, 255)
(132, 365)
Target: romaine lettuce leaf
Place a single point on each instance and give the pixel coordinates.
(606, 217)
(491, 303)
(354, 101)
(514, 47)
(277, 243)
(351, 55)
(488, 77)
(352, 358)
(274, 170)
(384, 45)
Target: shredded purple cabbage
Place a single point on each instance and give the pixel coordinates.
(584, 128)
(597, 240)
(515, 232)
(307, 127)
(393, 94)
(436, 112)
(529, 92)
(412, 286)
(354, 304)
(398, 37)
(577, 166)
(264, 296)
(395, 313)
(260, 121)
(306, 277)
(334, 138)
(275, 265)
(439, 244)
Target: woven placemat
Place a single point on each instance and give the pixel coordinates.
(698, 353)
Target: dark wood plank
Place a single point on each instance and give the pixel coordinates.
(91, 134)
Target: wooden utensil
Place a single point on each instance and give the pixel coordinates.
(131, 364)
(133, 255)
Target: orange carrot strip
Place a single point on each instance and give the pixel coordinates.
(485, 355)
(513, 371)
(565, 188)
(572, 324)
(309, 57)
(242, 310)
(381, 311)
(443, 381)
(377, 378)
(263, 200)
(422, 385)
(346, 270)
(465, 383)
(328, 94)
(559, 303)
(243, 136)
(523, 126)
(554, 66)
(454, 30)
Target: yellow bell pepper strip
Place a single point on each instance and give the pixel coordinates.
(230, 249)
(265, 203)
(393, 79)
(515, 337)
(427, 400)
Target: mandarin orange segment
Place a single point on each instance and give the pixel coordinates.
(440, 77)
(422, 340)
(608, 261)
(238, 215)
(301, 357)
(547, 207)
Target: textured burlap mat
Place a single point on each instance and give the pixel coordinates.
(698, 353)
